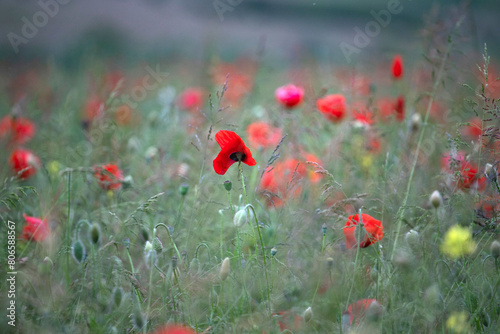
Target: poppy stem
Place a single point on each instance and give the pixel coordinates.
(248, 207)
(68, 230)
(496, 184)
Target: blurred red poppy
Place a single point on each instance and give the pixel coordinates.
(24, 162)
(288, 320)
(18, 129)
(94, 107)
(362, 116)
(191, 99)
(372, 231)
(356, 311)
(468, 172)
(289, 95)
(261, 134)
(397, 67)
(233, 149)
(108, 176)
(35, 229)
(174, 329)
(332, 106)
(475, 128)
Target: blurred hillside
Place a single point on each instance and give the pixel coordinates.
(232, 27)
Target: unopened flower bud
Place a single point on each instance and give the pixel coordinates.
(308, 314)
(157, 245)
(78, 251)
(436, 199)
(495, 249)
(273, 251)
(324, 228)
(412, 238)
(95, 233)
(225, 268)
(490, 172)
(228, 185)
(241, 216)
(148, 247)
(183, 189)
(128, 182)
(117, 296)
(329, 262)
(416, 121)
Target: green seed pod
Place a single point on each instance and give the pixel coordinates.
(78, 251)
(183, 189)
(273, 251)
(95, 233)
(117, 296)
(228, 185)
(495, 249)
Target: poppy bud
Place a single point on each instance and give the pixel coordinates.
(128, 182)
(490, 172)
(228, 185)
(183, 189)
(432, 296)
(412, 238)
(145, 233)
(241, 216)
(95, 233)
(308, 313)
(273, 251)
(324, 228)
(495, 249)
(436, 199)
(225, 268)
(416, 121)
(329, 262)
(157, 245)
(117, 296)
(78, 251)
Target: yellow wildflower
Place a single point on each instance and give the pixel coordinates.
(458, 323)
(458, 242)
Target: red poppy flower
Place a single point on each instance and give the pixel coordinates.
(475, 129)
(174, 329)
(356, 311)
(372, 232)
(93, 108)
(289, 95)
(399, 107)
(288, 320)
(261, 134)
(233, 149)
(191, 99)
(109, 176)
(397, 67)
(332, 106)
(19, 129)
(25, 161)
(362, 116)
(35, 229)
(469, 175)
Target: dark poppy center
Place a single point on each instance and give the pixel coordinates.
(237, 156)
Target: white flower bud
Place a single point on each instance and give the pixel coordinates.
(495, 249)
(436, 199)
(308, 314)
(225, 268)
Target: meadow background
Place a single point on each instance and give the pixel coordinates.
(165, 240)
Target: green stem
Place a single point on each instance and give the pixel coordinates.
(496, 184)
(171, 240)
(319, 278)
(248, 207)
(68, 230)
(133, 274)
(178, 219)
(401, 213)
